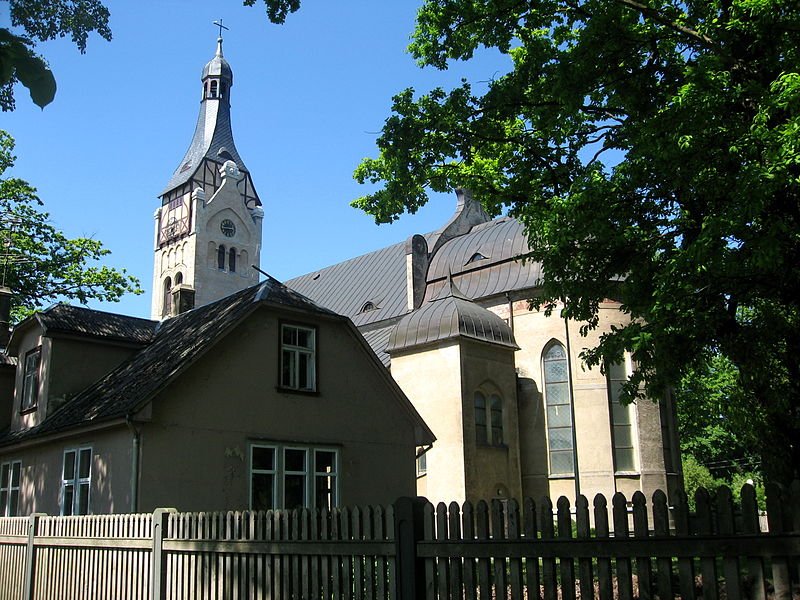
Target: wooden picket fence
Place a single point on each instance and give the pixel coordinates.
(413, 550)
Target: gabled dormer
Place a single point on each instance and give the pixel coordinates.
(61, 351)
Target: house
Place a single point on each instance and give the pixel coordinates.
(262, 399)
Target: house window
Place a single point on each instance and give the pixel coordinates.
(621, 419)
(559, 410)
(488, 420)
(30, 379)
(76, 479)
(422, 465)
(292, 477)
(221, 257)
(298, 367)
(9, 488)
(232, 260)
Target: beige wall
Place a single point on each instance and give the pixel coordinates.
(533, 331)
(195, 452)
(431, 378)
(40, 485)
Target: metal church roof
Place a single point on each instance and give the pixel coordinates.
(448, 316)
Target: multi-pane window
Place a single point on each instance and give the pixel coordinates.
(9, 488)
(488, 420)
(422, 465)
(76, 480)
(559, 411)
(30, 379)
(621, 419)
(298, 367)
(291, 477)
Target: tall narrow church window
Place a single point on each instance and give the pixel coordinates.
(481, 433)
(178, 278)
(621, 419)
(213, 89)
(496, 415)
(559, 410)
(221, 257)
(232, 260)
(167, 306)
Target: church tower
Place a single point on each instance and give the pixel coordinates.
(208, 227)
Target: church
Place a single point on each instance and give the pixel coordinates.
(416, 368)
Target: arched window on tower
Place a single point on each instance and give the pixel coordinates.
(232, 260)
(167, 304)
(221, 257)
(558, 404)
(178, 278)
(213, 89)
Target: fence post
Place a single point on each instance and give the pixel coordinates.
(30, 555)
(158, 567)
(408, 531)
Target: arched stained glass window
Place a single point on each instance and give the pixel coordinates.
(559, 410)
(221, 257)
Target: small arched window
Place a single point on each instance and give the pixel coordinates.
(368, 306)
(213, 89)
(178, 278)
(221, 257)
(167, 305)
(232, 260)
(558, 404)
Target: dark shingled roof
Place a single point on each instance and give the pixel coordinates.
(178, 342)
(64, 318)
(448, 316)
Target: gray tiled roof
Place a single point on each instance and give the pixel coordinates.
(178, 342)
(378, 340)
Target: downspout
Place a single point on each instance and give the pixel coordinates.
(135, 450)
(510, 312)
(572, 412)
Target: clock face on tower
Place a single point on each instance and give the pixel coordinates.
(227, 228)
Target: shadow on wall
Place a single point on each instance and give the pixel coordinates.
(532, 439)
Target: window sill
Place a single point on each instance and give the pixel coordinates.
(631, 474)
(564, 476)
(285, 390)
(27, 411)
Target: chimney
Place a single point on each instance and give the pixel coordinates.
(182, 299)
(5, 316)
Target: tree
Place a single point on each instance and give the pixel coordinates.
(39, 263)
(650, 148)
(43, 20)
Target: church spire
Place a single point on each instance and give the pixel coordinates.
(213, 135)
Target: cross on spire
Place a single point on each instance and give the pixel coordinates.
(221, 27)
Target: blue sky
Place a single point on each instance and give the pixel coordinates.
(308, 101)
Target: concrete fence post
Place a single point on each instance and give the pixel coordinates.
(158, 567)
(30, 555)
(408, 532)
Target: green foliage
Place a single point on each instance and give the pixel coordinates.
(277, 10)
(43, 20)
(695, 476)
(40, 265)
(651, 151)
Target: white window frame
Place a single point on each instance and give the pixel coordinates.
(76, 482)
(310, 473)
(8, 489)
(290, 358)
(422, 465)
(30, 380)
(627, 411)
